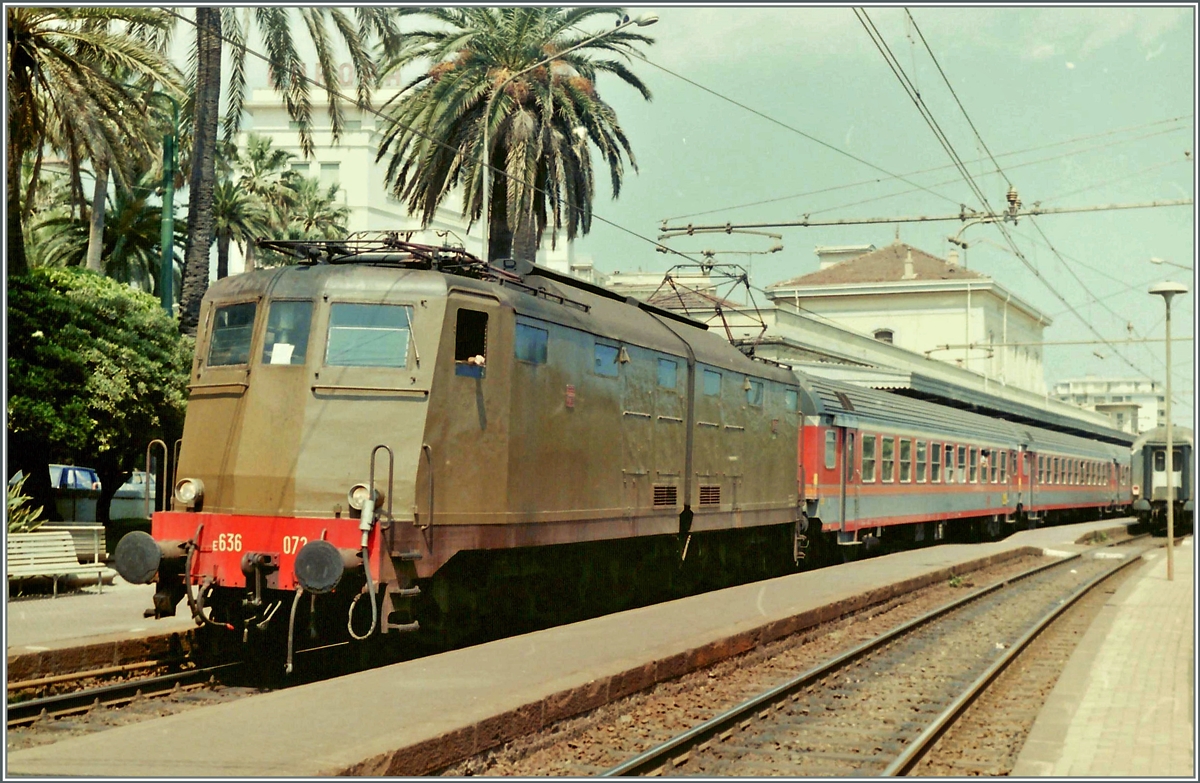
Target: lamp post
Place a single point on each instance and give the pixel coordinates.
(166, 271)
(1167, 291)
(1159, 261)
(642, 21)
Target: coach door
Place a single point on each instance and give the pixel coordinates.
(848, 489)
(1025, 479)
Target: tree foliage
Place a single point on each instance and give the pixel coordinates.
(95, 371)
(539, 126)
(76, 80)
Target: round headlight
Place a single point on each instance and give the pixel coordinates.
(188, 491)
(358, 494)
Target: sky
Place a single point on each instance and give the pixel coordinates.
(1112, 89)
(1079, 107)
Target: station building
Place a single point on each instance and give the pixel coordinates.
(1135, 404)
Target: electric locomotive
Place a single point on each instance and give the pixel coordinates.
(1150, 472)
(413, 437)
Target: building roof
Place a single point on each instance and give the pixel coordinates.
(885, 265)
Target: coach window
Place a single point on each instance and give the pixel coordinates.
(287, 333)
(830, 449)
(606, 360)
(368, 335)
(974, 465)
(668, 372)
(530, 343)
(935, 462)
(949, 463)
(922, 455)
(887, 459)
(712, 383)
(1004, 467)
(906, 460)
(868, 458)
(1041, 469)
(233, 326)
(962, 465)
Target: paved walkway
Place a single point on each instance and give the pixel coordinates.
(1125, 703)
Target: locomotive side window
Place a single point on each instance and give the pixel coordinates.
(606, 360)
(531, 343)
(754, 395)
(922, 459)
(470, 336)
(368, 335)
(792, 400)
(668, 373)
(935, 463)
(287, 333)
(830, 448)
(233, 327)
(712, 383)
(868, 458)
(887, 461)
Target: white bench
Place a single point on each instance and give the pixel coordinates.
(50, 554)
(89, 539)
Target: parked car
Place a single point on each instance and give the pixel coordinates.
(76, 490)
(130, 500)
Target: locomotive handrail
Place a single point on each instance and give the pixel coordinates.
(168, 488)
(427, 451)
(175, 467)
(391, 471)
(222, 385)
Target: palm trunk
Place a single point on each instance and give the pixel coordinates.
(204, 163)
(95, 247)
(18, 264)
(222, 255)
(500, 238)
(524, 243)
(249, 256)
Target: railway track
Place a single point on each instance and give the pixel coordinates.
(877, 708)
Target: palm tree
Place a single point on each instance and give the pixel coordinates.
(64, 94)
(317, 213)
(238, 216)
(538, 131)
(217, 26)
(131, 249)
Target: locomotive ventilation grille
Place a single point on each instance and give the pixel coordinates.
(665, 496)
(710, 495)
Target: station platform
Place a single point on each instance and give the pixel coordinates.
(1125, 703)
(418, 716)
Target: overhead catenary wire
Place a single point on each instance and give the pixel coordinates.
(897, 69)
(879, 180)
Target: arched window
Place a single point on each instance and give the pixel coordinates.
(884, 335)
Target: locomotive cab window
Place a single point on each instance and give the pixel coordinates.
(232, 330)
(287, 333)
(368, 335)
(791, 399)
(470, 343)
